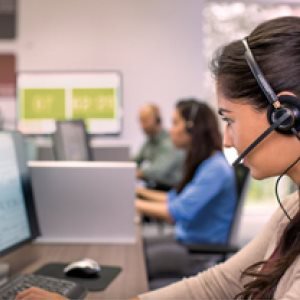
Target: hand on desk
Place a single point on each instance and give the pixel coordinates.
(34, 293)
(140, 191)
(139, 174)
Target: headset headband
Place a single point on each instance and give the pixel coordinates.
(194, 111)
(190, 122)
(259, 76)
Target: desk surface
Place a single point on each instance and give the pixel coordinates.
(130, 282)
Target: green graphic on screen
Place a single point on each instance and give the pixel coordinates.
(93, 103)
(43, 104)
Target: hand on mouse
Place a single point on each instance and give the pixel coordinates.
(34, 293)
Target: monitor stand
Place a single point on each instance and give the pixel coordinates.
(4, 273)
(20, 258)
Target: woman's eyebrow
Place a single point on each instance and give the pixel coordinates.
(221, 111)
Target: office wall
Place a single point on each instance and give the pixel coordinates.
(156, 45)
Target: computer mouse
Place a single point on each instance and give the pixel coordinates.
(85, 268)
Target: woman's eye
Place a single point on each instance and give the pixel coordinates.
(227, 120)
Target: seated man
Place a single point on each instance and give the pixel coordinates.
(159, 162)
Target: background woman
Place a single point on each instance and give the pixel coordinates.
(202, 205)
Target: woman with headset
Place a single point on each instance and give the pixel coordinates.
(202, 205)
(258, 88)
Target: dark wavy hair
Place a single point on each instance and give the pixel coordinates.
(205, 134)
(276, 47)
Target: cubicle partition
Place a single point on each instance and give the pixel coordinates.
(100, 151)
(84, 202)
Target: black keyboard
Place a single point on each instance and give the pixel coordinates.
(66, 288)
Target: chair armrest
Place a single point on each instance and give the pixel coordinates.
(211, 248)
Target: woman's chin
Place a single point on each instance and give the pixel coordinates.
(256, 174)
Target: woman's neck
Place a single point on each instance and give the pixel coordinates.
(294, 174)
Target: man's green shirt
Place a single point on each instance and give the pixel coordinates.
(160, 161)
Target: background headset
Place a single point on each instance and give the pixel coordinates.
(190, 123)
(283, 111)
(156, 114)
(157, 120)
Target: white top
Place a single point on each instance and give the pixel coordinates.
(224, 280)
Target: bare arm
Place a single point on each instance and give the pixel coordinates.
(154, 209)
(35, 293)
(152, 195)
(139, 173)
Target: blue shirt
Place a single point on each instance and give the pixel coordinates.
(203, 210)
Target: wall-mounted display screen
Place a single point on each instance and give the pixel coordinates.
(44, 97)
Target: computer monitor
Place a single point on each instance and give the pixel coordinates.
(70, 141)
(18, 222)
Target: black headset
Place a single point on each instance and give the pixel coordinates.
(287, 105)
(283, 112)
(190, 123)
(156, 114)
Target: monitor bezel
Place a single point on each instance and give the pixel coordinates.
(25, 179)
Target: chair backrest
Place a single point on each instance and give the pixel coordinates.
(242, 177)
(70, 141)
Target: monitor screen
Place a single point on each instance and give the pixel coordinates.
(15, 209)
(45, 97)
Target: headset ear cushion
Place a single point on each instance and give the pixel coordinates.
(288, 103)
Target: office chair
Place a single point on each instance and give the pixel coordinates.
(193, 258)
(70, 141)
(242, 181)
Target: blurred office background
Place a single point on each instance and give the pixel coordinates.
(162, 48)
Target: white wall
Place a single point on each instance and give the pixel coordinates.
(155, 44)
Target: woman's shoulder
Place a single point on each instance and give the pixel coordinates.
(279, 219)
(291, 205)
(292, 201)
